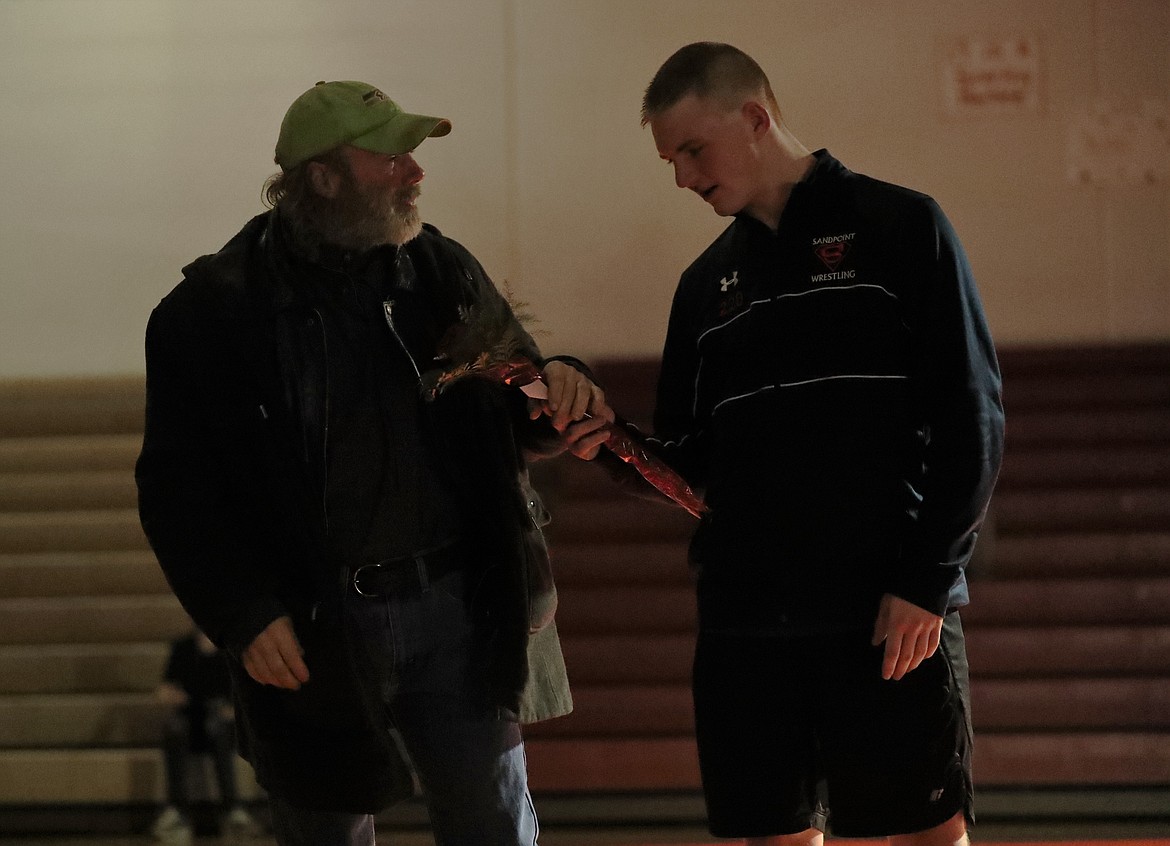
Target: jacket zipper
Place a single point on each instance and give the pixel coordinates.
(324, 426)
(388, 310)
(325, 452)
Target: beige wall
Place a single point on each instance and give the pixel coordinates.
(135, 135)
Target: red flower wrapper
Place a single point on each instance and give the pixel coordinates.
(490, 343)
(652, 468)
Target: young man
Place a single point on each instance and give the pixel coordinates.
(828, 379)
(368, 561)
(196, 690)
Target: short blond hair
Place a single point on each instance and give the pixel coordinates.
(707, 69)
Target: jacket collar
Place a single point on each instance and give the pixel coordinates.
(824, 171)
(292, 264)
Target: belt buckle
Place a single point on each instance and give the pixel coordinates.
(356, 579)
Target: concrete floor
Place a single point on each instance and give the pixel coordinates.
(1047, 834)
(1008, 816)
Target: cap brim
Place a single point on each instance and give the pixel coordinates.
(402, 133)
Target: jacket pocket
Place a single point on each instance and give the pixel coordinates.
(542, 589)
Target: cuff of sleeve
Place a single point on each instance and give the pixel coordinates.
(930, 590)
(255, 619)
(575, 363)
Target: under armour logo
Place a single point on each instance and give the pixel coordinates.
(726, 284)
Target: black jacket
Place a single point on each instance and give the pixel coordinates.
(833, 388)
(231, 498)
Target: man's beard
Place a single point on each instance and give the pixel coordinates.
(362, 218)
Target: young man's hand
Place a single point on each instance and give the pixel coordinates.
(911, 635)
(586, 437)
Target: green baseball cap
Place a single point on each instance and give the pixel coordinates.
(333, 113)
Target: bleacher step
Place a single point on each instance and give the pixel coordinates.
(1088, 601)
(71, 531)
(103, 405)
(1021, 650)
(1009, 651)
(1082, 509)
(619, 519)
(1061, 704)
(1008, 759)
(1080, 554)
(588, 564)
(1102, 390)
(1062, 555)
(1068, 636)
(1085, 428)
(998, 705)
(82, 667)
(70, 453)
(94, 776)
(67, 491)
(1102, 466)
(602, 660)
(103, 619)
(46, 574)
(121, 776)
(80, 720)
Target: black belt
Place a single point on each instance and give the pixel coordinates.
(407, 575)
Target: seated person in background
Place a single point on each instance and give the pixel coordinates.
(197, 688)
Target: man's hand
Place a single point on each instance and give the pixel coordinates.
(911, 635)
(586, 437)
(571, 395)
(274, 657)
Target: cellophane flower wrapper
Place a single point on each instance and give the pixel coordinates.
(490, 343)
(653, 469)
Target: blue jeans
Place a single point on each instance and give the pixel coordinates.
(470, 764)
(218, 737)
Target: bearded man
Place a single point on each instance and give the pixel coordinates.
(370, 562)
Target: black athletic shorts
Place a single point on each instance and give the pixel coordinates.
(803, 732)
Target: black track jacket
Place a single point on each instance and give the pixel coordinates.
(833, 389)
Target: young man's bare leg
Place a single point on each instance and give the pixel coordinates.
(808, 837)
(951, 833)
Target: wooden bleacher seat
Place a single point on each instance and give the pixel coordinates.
(85, 614)
(1069, 633)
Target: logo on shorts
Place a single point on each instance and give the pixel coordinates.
(726, 284)
(935, 795)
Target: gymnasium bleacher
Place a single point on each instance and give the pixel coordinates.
(1069, 630)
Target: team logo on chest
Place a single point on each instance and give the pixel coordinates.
(726, 284)
(831, 249)
(832, 254)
